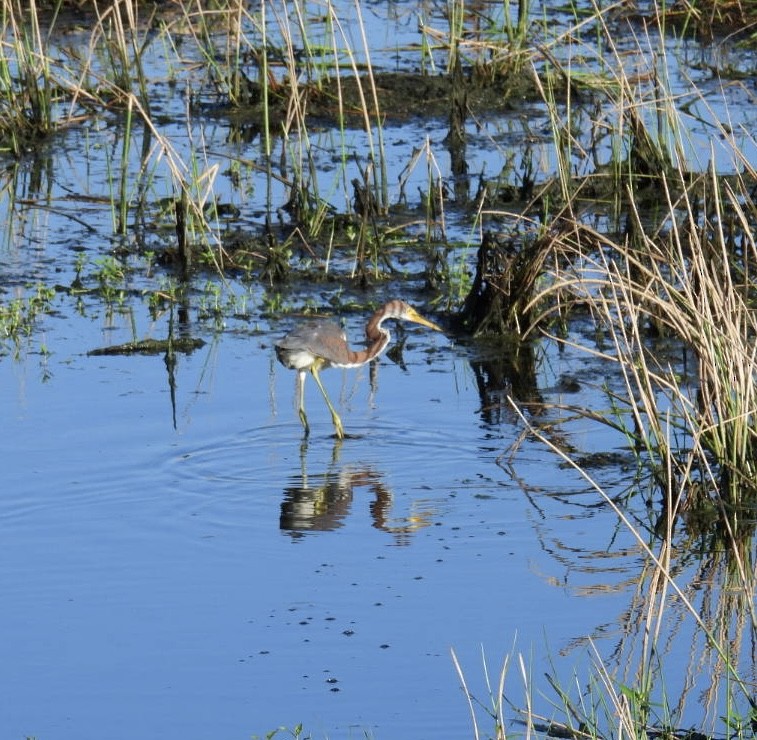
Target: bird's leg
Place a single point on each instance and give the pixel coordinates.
(334, 416)
(301, 400)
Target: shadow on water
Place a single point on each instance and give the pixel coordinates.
(505, 371)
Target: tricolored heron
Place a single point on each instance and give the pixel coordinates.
(319, 344)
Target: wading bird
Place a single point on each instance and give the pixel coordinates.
(319, 344)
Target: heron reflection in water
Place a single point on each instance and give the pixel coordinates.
(319, 344)
(323, 502)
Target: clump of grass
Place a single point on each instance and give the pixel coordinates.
(683, 269)
(117, 37)
(681, 280)
(433, 197)
(27, 87)
(490, 41)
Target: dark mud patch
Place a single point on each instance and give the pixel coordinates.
(399, 97)
(711, 19)
(404, 96)
(184, 345)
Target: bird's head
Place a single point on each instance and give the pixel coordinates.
(407, 313)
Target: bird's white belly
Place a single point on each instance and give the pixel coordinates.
(295, 359)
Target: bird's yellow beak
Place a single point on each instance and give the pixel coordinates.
(416, 318)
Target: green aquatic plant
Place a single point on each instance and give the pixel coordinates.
(297, 733)
(110, 275)
(19, 317)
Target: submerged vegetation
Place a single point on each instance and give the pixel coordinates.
(636, 242)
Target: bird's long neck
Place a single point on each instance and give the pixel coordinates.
(378, 337)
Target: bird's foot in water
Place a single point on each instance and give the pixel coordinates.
(336, 420)
(305, 425)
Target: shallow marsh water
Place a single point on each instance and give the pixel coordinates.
(222, 577)
(179, 563)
